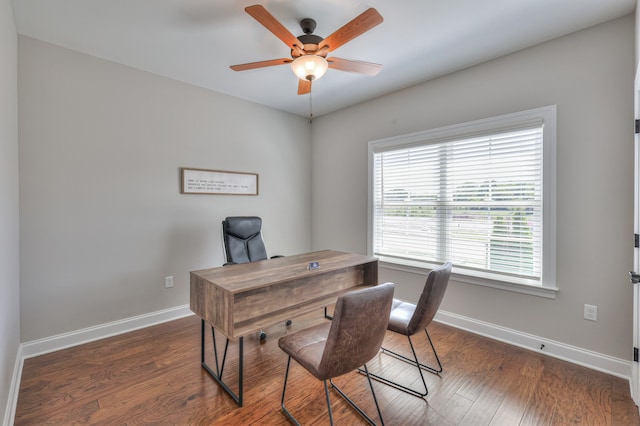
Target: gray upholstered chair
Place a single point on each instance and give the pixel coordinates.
(343, 345)
(408, 319)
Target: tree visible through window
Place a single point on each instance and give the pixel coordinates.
(473, 197)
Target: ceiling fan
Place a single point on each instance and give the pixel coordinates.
(309, 51)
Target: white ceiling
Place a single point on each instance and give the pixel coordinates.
(195, 41)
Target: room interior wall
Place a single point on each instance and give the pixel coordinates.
(9, 203)
(637, 16)
(589, 76)
(102, 218)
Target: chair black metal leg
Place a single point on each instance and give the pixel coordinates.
(373, 393)
(411, 361)
(355, 406)
(326, 392)
(415, 362)
(217, 375)
(284, 390)
(398, 386)
(326, 395)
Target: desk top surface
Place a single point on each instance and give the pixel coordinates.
(240, 277)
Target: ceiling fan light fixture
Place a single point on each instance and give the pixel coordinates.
(309, 67)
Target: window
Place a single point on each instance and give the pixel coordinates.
(479, 194)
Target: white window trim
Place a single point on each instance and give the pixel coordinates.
(548, 288)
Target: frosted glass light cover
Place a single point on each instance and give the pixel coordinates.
(309, 67)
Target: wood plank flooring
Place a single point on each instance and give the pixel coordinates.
(153, 376)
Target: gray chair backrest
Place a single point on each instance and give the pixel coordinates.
(430, 299)
(357, 330)
(243, 239)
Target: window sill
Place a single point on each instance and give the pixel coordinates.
(421, 269)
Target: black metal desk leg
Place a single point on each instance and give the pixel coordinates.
(217, 375)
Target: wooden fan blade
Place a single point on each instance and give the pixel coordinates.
(260, 14)
(304, 87)
(260, 64)
(357, 26)
(354, 66)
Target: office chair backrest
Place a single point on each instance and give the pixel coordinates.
(430, 299)
(358, 327)
(243, 239)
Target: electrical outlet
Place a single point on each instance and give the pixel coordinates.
(168, 282)
(591, 312)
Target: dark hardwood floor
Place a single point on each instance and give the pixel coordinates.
(153, 376)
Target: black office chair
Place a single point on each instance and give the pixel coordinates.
(331, 349)
(243, 243)
(407, 319)
(242, 238)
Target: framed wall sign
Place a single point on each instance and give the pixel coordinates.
(201, 181)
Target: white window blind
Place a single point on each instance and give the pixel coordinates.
(476, 200)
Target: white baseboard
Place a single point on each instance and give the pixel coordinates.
(86, 335)
(596, 361)
(78, 337)
(12, 402)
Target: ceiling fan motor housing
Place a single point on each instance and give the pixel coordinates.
(308, 25)
(312, 40)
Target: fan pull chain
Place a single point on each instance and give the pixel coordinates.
(310, 109)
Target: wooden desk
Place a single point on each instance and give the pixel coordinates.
(242, 299)
(246, 298)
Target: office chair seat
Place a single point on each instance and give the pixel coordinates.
(401, 313)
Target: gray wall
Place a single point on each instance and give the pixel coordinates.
(589, 76)
(637, 51)
(9, 222)
(102, 219)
